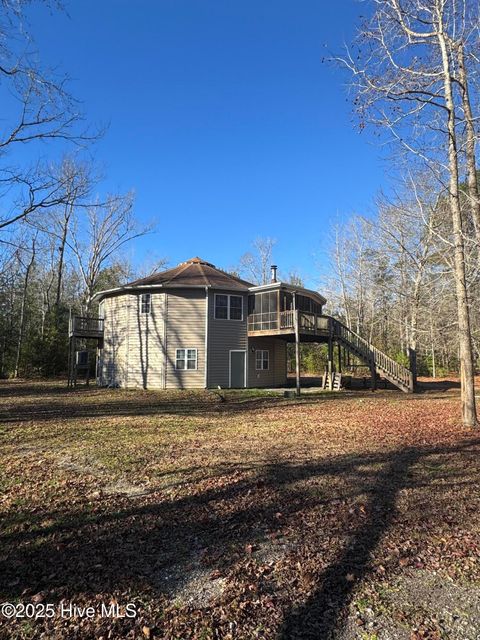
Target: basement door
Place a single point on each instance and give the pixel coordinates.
(238, 369)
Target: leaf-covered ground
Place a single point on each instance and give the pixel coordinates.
(351, 515)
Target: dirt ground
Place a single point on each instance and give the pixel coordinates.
(351, 515)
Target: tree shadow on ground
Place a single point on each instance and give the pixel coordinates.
(321, 613)
(121, 544)
(443, 385)
(51, 403)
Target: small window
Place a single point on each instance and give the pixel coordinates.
(228, 307)
(262, 358)
(186, 359)
(236, 307)
(221, 307)
(146, 303)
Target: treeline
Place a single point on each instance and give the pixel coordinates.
(393, 281)
(60, 233)
(52, 264)
(413, 71)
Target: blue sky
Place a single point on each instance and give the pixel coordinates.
(222, 118)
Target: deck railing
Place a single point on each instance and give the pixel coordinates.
(285, 321)
(267, 321)
(87, 326)
(398, 374)
(318, 325)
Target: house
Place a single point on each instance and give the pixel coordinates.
(196, 326)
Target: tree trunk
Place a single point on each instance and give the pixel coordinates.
(472, 184)
(61, 258)
(21, 329)
(464, 333)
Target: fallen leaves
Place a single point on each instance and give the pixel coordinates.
(279, 512)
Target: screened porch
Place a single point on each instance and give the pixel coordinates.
(271, 311)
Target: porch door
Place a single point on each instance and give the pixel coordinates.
(237, 369)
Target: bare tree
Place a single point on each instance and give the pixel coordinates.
(463, 80)
(110, 227)
(78, 182)
(403, 75)
(255, 266)
(28, 266)
(352, 268)
(40, 109)
(149, 267)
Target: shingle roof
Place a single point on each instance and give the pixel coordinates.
(193, 273)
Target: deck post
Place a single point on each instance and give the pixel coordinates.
(74, 360)
(373, 373)
(330, 365)
(412, 357)
(70, 333)
(297, 343)
(72, 379)
(339, 348)
(69, 365)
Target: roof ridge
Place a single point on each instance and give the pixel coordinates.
(198, 272)
(181, 270)
(202, 271)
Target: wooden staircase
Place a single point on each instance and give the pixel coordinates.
(378, 361)
(335, 384)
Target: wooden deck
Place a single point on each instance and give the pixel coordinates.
(82, 327)
(320, 328)
(282, 323)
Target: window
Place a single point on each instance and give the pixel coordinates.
(221, 307)
(186, 359)
(146, 303)
(262, 358)
(228, 307)
(236, 307)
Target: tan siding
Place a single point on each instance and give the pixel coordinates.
(280, 371)
(185, 329)
(276, 375)
(133, 354)
(113, 356)
(224, 336)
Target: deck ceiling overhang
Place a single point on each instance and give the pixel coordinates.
(289, 336)
(285, 286)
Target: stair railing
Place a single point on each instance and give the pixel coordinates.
(373, 355)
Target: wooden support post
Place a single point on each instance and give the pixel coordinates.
(88, 369)
(373, 373)
(74, 360)
(69, 364)
(339, 348)
(412, 356)
(297, 343)
(330, 364)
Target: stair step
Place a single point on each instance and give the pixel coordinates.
(359, 347)
(336, 382)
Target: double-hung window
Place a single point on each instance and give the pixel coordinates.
(186, 359)
(221, 307)
(236, 308)
(262, 360)
(146, 302)
(228, 307)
